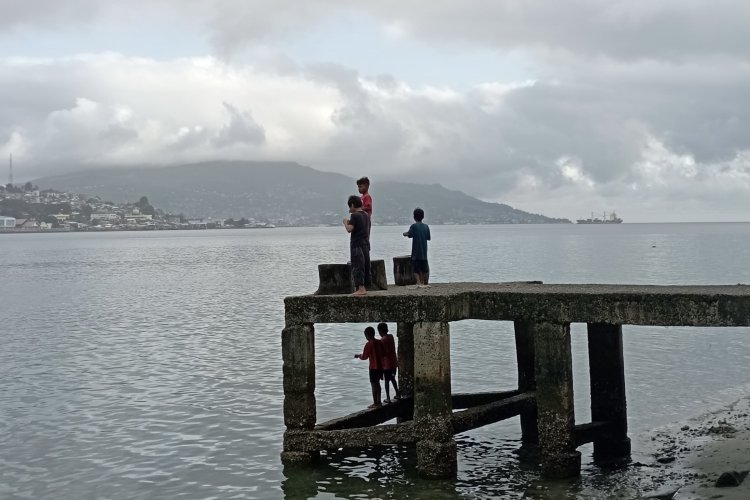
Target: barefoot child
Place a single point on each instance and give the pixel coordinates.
(373, 352)
(390, 362)
(358, 225)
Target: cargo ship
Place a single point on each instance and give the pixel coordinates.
(611, 219)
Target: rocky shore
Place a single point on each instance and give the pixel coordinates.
(706, 458)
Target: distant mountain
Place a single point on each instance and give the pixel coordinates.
(285, 193)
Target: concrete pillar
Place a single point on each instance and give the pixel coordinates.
(607, 372)
(298, 354)
(405, 335)
(554, 390)
(524, 333)
(436, 449)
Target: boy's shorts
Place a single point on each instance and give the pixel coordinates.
(375, 375)
(389, 374)
(420, 267)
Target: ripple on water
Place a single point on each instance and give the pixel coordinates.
(148, 366)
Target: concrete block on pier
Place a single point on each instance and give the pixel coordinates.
(402, 272)
(337, 278)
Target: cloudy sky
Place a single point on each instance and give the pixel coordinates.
(561, 107)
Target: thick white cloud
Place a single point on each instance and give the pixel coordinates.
(640, 106)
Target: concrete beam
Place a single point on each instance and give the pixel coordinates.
(490, 413)
(713, 305)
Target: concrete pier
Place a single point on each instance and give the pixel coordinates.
(429, 415)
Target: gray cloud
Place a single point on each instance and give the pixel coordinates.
(675, 30)
(633, 103)
(241, 128)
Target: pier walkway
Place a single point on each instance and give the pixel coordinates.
(430, 414)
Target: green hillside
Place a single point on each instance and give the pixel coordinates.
(283, 192)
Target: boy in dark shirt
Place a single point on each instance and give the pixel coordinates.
(373, 352)
(419, 232)
(358, 224)
(390, 361)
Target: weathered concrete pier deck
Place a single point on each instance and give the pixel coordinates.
(431, 415)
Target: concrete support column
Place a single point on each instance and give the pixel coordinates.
(298, 354)
(526, 378)
(436, 449)
(554, 390)
(405, 334)
(607, 372)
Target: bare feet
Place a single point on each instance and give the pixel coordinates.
(360, 292)
(375, 405)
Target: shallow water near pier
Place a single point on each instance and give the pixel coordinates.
(147, 365)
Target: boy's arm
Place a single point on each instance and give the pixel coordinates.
(348, 226)
(365, 353)
(408, 233)
(428, 232)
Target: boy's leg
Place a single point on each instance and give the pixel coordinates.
(375, 390)
(375, 385)
(424, 279)
(386, 378)
(367, 266)
(358, 269)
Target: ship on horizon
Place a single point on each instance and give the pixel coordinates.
(612, 219)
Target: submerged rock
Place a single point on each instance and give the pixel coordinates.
(663, 494)
(730, 479)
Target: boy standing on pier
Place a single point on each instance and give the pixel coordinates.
(363, 186)
(373, 352)
(419, 232)
(358, 225)
(390, 362)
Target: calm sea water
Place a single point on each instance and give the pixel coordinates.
(148, 365)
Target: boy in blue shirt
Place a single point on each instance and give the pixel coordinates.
(419, 232)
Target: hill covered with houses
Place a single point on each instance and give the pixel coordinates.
(26, 208)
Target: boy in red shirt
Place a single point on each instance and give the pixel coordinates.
(363, 186)
(373, 352)
(390, 361)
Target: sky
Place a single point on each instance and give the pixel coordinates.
(559, 107)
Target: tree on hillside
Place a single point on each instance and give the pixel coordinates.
(145, 207)
(51, 220)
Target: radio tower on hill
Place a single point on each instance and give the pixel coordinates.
(10, 173)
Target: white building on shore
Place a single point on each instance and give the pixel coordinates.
(7, 223)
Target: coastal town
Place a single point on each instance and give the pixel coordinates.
(26, 208)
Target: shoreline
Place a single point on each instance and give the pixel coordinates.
(689, 457)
